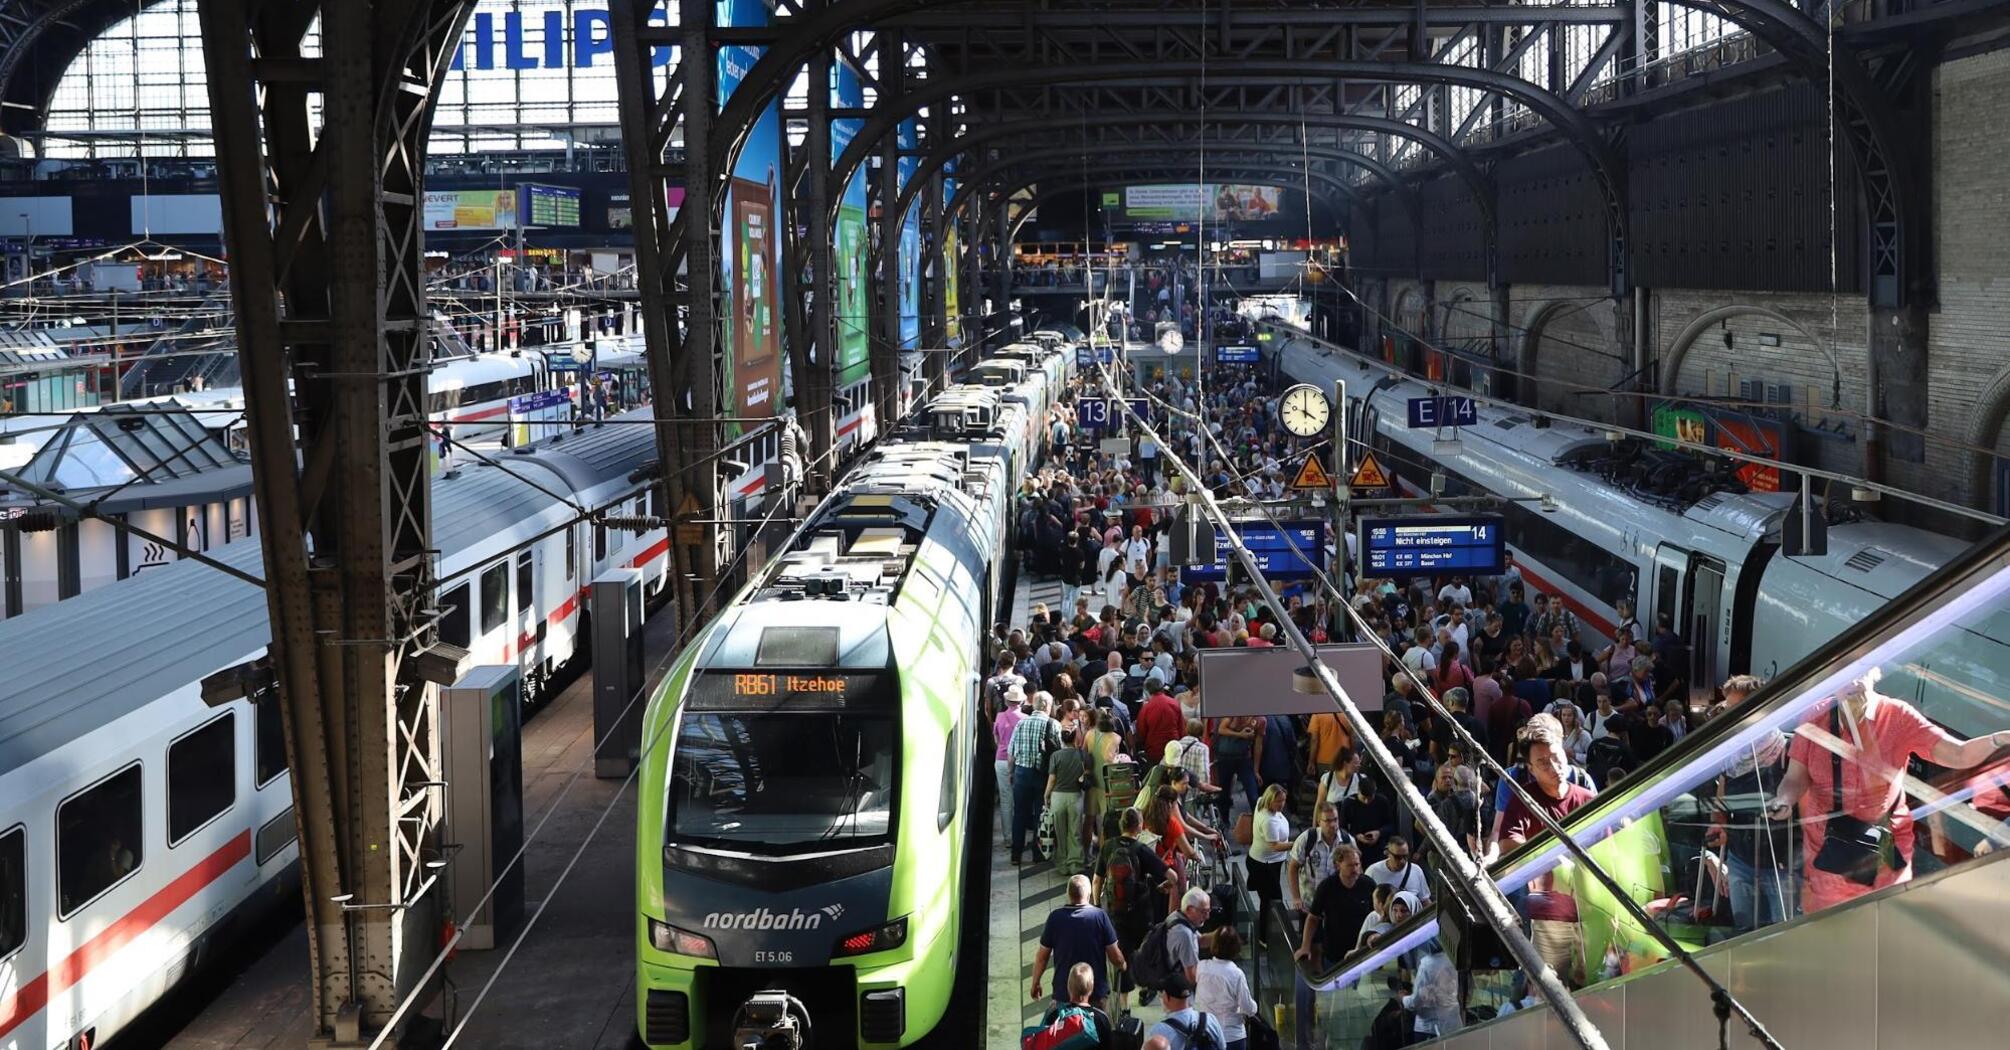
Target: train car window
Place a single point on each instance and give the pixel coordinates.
(13, 891)
(454, 617)
(571, 552)
(525, 580)
(495, 596)
(98, 839)
(599, 543)
(271, 743)
(202, 777)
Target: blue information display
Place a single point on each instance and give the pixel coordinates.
(1091, 356)
(1432, 545)
(1236, 355)
(1272, 549)
(1443, 412)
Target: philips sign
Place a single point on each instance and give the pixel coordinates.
(588, 37)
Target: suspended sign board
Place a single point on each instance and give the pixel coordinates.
(1236, 355)
(1273, 549)
(1258, 681)
(1098, 413)
(1443, 412)
(1432, 545)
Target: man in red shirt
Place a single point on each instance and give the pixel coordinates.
(1160, 720)
(1552, 911)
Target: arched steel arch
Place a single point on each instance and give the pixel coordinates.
(935, 161)
(1605, 167)
(1888, 195)
(1479, 185)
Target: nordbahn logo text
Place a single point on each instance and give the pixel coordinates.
(764, 919)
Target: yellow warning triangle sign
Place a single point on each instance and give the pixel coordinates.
(1369, 475)
(1312, 475)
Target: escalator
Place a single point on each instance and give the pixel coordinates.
(1831, 940)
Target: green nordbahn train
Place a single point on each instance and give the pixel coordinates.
(809, 763)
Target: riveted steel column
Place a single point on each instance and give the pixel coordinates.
(886, 348)
(323, 224)
(816, 393)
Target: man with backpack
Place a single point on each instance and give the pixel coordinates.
(1185, 1028)
(1132, 881)
(1171, 949)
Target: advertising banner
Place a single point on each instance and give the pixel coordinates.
(470, 210)
(750, 269)
(1224, 202)
(952, 266)
(849, 256)
(910, 245)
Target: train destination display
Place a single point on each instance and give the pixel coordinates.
(1277, 551)
(1400, 546)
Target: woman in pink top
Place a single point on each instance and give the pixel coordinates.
(1873, 735)
(1001, 731)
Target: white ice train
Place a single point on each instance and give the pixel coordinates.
(1712, 563)
(136, 822)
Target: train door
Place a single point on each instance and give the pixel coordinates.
(1706, 594)
(1689, 591)
(529, 625)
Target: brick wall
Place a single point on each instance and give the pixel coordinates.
(1783, 339)
(1969, 335)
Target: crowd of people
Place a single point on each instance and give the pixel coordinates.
(1102, 742)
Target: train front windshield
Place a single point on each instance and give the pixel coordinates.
(784, 762)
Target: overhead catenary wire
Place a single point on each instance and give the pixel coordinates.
(1721, 997)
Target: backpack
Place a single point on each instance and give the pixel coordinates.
(1133, 693)
(1154, 965)
(1130, 892)
(1072, 1028)
(1200, 1036)
(1606, 754)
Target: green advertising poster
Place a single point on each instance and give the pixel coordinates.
(853, 358)
(951, 262)
(1682, 424)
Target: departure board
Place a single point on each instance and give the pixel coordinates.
(551, 205)
(1281, 554)
(1432, 545)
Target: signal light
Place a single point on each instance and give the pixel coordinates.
(885, 938)
(667, 938)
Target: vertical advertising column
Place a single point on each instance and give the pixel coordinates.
(750, 261)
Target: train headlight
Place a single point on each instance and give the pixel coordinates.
(667, 938)
(865, 942)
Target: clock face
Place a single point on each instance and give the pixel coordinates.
(1303, 411)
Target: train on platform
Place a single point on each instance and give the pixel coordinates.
(804, 843)
(1595, 523)
(139, 824)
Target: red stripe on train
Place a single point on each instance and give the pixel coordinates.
(1584, 613)
(486, 413)
(35, 994)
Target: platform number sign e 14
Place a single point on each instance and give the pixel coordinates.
(1451, 411)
